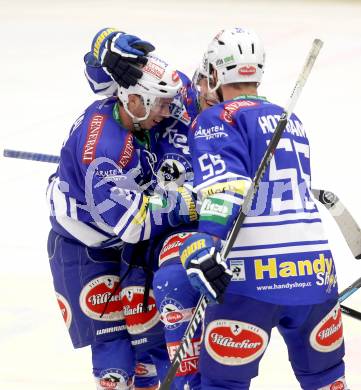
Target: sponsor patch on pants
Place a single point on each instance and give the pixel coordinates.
(145, 370)
(234, 343)
(114, 379)
(173, 314)
(339, 384)
(327, 335)
(136, 319)
(100, 299)
(190, 361)
(65, 309)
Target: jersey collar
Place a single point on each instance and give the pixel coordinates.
(253, 97)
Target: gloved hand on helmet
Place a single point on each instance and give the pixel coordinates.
(118, 52)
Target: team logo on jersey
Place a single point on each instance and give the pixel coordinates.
(95, 129)
(247, 70)
(170, 249)
(127, 152)
(230, 108)
(100, 299)
(173, 171)
(176, 139)
(115, 378)
(138, 321)
(235, 343)
(210, 133)
(173, 314)
(65, 309)
(145, 370)
(189, 363)
(327, 335)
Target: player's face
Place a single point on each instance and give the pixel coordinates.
(206, 99)
(159, 110)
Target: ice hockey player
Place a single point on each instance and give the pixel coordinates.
(172, 168)
(283, 273)
(98, 198)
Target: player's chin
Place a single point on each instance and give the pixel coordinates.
(153, 122)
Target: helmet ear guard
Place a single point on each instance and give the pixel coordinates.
(237, 55)
(158, 81)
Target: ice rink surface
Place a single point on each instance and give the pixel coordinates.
(43, 91)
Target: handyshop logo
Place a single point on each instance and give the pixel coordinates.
(272, 268)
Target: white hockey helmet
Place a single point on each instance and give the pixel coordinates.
(237, 55)
(158, 81)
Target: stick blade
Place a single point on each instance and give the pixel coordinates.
(347, 224)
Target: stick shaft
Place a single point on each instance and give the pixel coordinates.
(50, 158)
(351, 312)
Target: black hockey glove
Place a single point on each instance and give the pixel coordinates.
(206, 272)
(123, 55)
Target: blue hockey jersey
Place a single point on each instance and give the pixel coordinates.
(281, 254)
(102, 192)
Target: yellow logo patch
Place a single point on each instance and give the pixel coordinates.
(272, 269)
(196, 245)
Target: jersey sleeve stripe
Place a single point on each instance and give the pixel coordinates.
(128, 217)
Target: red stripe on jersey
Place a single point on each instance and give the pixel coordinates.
(230, 108)
(127, 152)
(94, 131)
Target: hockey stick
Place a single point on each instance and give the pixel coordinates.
(351, 233)
(347, 292)
(281, 125)
(351, 312)
(31, 156)
(348, 226)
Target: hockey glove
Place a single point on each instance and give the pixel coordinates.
(118, 53)
(206, 272)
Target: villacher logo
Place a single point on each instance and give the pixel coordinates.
(137, 320)
(327, 335)
(65, 309)
(235, 343)
(100, 299)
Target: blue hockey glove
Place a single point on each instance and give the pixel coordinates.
(119, 54)
(206, 272)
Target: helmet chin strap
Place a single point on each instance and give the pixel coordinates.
(136, 120)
